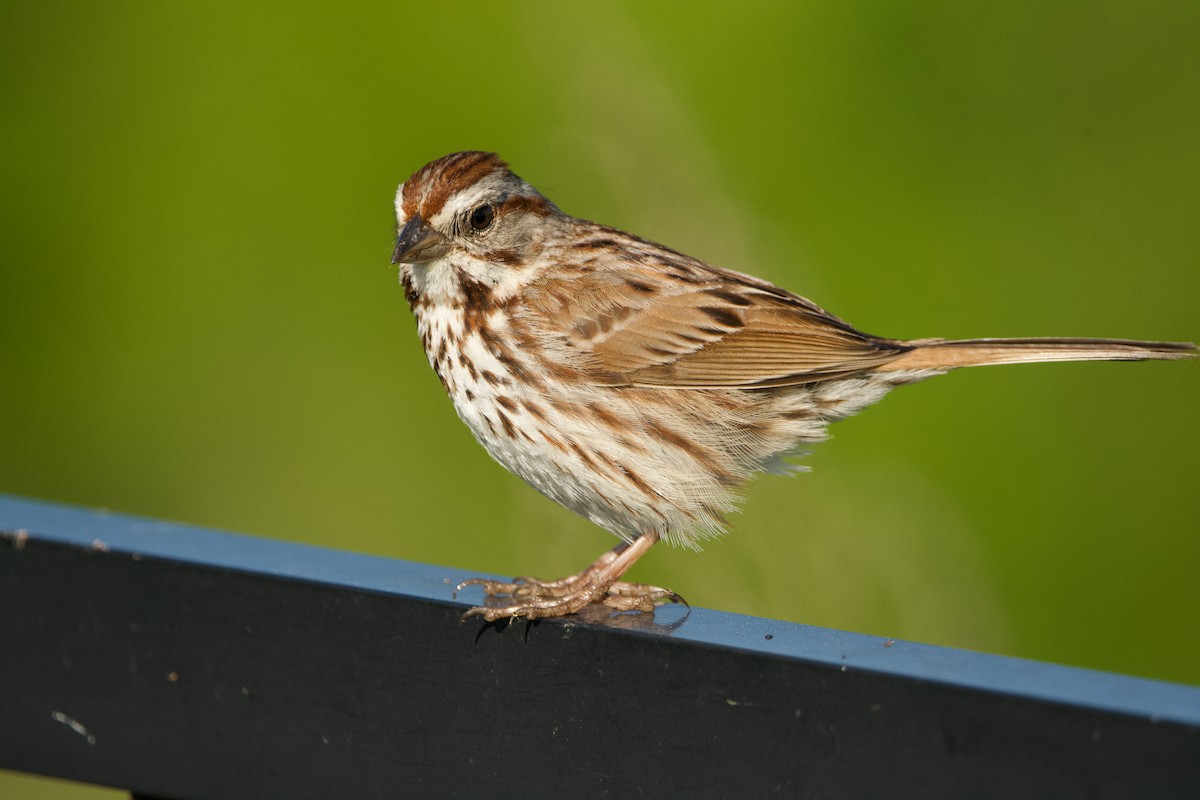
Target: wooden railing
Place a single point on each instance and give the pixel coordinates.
(179, 662)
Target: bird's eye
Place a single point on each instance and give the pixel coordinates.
(481, 218)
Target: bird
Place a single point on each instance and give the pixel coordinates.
(633, 384)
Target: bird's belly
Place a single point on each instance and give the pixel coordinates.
(514, 421)
(517, 430)
(632, 460)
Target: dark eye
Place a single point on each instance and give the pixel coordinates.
(481, 218)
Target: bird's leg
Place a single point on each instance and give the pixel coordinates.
(597, 583)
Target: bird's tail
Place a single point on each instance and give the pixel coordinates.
(940, 354)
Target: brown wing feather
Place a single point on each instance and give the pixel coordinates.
(685, 324)
(658, 333)
(777, 345)
(784, 350)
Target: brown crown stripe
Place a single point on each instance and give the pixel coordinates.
(437, 182)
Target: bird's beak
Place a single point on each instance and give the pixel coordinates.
(418, 242)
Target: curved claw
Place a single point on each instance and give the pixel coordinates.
(469, 582)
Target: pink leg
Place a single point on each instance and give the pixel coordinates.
(598, 583)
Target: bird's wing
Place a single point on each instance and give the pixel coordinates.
(689, 325)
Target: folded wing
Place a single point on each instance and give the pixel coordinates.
(701, 328)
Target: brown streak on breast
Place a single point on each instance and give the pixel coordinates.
(437, 370)
(614, 422)
(632, 478)
(469, 365)
(509, 430)
(410, 292)
(477, 296)
(567, 409)
(520, 333)
(505, 356)
(753, 430)
(583, 456)
(697, 452)
(630, 444)
(555, 443)
(534, 410)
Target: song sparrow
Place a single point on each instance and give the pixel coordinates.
(635, 385)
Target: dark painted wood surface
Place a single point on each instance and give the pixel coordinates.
(180, 662)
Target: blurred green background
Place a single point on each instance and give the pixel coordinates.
(200, 322)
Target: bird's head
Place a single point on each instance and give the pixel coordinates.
(468, 216)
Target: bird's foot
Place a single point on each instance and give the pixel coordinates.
(597, 584)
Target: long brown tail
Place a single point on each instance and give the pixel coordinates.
(941, 354)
